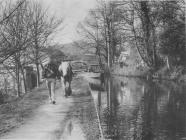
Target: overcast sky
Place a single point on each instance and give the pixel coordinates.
(73, 12)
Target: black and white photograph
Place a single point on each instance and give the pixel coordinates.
(92, 70)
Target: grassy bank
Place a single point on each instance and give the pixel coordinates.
(129, 70)
(177, 74)
(15, 113)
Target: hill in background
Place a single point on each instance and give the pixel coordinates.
(75, 51)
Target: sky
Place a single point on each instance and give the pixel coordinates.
(73, 12)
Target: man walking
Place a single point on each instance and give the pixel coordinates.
(50, 74)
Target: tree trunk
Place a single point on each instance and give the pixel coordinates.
(37, 55)
(109, 44)
(155, 64)
(24, 79)
(6, 85)
(168, 62)
(18, 80)
(38, 74)
(145, 19)
(154, 57)
(17, 65)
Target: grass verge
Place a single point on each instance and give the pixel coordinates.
(15, 113)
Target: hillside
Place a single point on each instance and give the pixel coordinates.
(76, 51)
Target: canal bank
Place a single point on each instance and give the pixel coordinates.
(177, 74)
(70, 118)
(135, 67)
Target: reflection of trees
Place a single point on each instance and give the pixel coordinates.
(118, 123)
(150, 113)
(160, 117)
(110, 114)
(115, 118)
(176, 112)
(160, 114)
(146, 114)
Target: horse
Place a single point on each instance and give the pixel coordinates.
(66, 74)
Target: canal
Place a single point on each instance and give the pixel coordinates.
(136, 109)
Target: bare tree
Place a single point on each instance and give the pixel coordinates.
(8, 13)
(17, 39)
(102, 31)
(43, 27)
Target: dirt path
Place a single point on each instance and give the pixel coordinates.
(49, 119)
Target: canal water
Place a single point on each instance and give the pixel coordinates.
(135, 109)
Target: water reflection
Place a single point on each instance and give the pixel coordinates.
(133, 109)
(72, 131)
